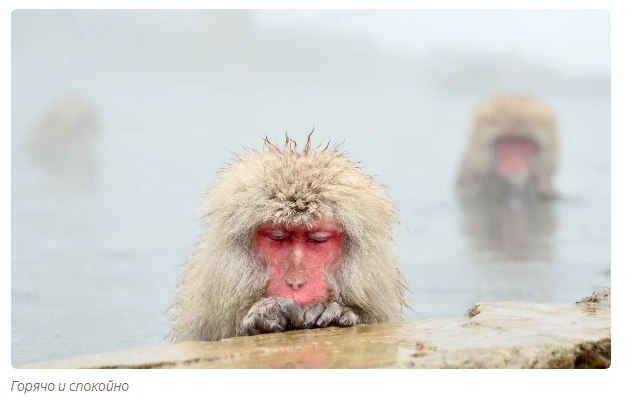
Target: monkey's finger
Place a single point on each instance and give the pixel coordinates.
(243, 330)
(248, 326)
(292, 311)
(253, 331)
(348, 319)
(266, 323)
(330, 315)
(281, 322)
(313, 314)
(273, 326)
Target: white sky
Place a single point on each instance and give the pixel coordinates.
(573, 40)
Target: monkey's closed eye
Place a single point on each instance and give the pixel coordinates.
(319, 237)
(277, 235)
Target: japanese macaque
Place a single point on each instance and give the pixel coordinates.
(69, 129)
(512, 151)
(62, 143)
(508, 166)
(296, 239)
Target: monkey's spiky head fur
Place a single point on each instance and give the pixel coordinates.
(288, 186)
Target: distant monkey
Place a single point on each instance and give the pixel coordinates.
(512, 151)
(62, 144)
(296, 239)
(68, 130)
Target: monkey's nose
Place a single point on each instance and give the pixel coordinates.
(295, 284)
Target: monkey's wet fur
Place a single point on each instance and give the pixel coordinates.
(296, 238)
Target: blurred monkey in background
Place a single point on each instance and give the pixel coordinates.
(506, 177)
(512, 151)
(63, 142)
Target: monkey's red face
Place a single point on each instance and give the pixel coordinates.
(298, 258)
(513, 157)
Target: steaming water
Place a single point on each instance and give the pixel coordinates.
(95, 270)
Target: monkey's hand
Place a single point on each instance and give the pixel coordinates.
(272, 314)
(333, 314)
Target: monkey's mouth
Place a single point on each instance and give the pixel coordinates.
(513, 154)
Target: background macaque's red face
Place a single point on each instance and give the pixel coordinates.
(513, 155)
(298, 257)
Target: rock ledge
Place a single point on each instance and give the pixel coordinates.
(490, 335)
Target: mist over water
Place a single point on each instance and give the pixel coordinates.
(96, 257)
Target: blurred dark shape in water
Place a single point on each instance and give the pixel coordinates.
(62, 145)
(510, 231)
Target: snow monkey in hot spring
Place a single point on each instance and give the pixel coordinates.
(512, 151)
(296, 238)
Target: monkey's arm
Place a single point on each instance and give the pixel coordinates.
(333, 314)
(272, 314)
(545, 189)
(468, 184)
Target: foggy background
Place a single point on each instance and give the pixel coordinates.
(100, 231)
